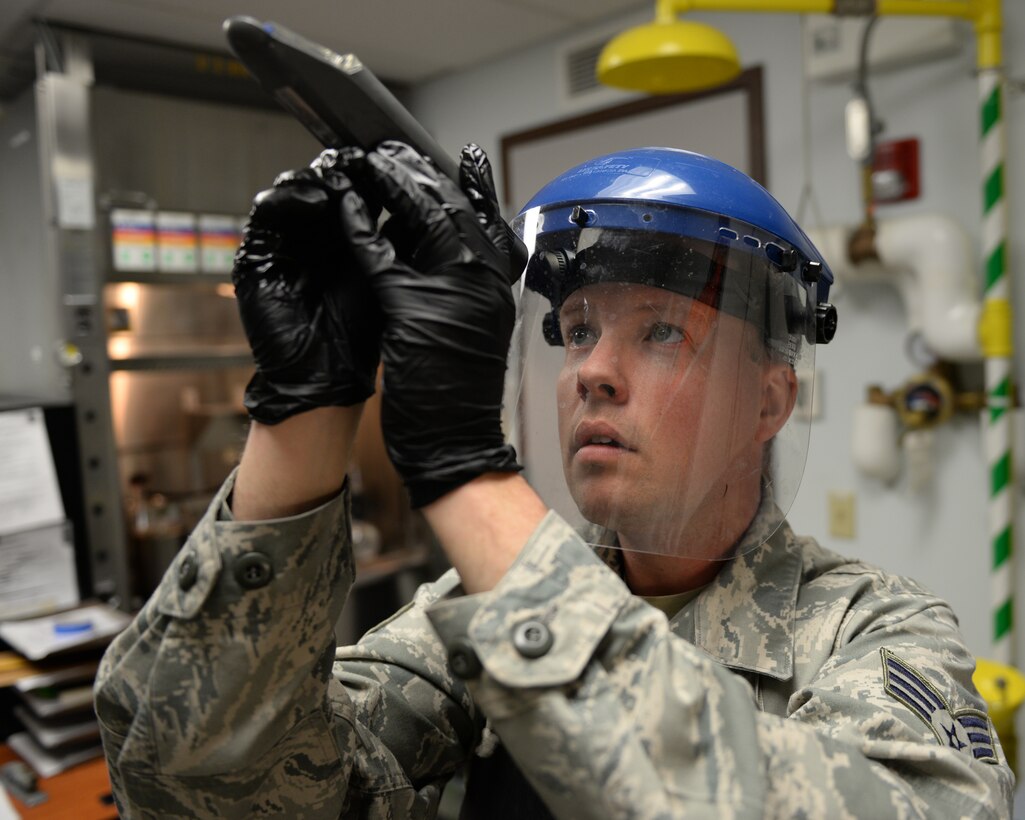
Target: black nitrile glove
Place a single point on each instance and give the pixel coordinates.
(442, 275)
(310, 316)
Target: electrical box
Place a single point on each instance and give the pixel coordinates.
(895, 174)
(833, 44)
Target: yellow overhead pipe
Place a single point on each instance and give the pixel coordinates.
(672, 55)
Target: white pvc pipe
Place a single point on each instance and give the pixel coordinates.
(930, 260)
(875, 441)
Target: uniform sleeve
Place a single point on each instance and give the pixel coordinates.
(609, 714)
(896, 692)
(223, 697)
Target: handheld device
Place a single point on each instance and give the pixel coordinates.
(335, 96)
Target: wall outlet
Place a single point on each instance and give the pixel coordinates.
(841, 514)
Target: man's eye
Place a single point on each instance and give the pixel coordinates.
(580, 335)
(666, 334)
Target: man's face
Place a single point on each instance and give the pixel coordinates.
(665, 406)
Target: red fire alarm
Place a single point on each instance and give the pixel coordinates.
(895, 171)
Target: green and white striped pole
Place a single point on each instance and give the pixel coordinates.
(996, 336)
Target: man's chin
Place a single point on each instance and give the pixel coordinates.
(647, 528)
(603, 511)
(596, 514)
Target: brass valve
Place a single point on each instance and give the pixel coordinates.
(929, 399)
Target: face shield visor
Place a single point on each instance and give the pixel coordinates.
(655, 375)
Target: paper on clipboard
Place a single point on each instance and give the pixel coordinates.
(37, 571)
(80, 628)
(29, 493)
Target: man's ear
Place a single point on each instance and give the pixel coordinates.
(779, 395)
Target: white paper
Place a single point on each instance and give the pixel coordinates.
(46, 763)
(37, 572)
(29, 493)
(58, 732)
(7, 811)
(36, 638)
(69, 700)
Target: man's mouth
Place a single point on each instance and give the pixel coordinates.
(598, 435)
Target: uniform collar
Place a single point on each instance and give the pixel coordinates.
(745, 618)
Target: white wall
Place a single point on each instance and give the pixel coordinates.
(939, 537)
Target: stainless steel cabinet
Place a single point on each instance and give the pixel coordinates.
(154, 363)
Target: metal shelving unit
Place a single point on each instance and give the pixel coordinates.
(110, 120)
(151, 365)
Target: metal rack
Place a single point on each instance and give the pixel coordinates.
(93, 134)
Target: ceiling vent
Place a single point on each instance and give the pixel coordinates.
(581, 62)
(577, 61)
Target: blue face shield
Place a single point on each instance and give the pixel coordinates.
(663, 346)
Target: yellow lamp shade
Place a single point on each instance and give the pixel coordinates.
(668, 58)
(1003, 689)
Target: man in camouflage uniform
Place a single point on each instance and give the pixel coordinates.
(790, 683)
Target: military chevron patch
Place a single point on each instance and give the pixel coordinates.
(967, 730)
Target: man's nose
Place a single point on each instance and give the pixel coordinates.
(601, 375)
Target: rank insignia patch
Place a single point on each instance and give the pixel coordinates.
(967, 730)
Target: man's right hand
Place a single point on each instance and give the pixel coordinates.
(441, 269)
(311, 319)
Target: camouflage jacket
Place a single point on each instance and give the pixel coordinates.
(797, 684)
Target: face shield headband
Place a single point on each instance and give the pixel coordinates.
(723, 263)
